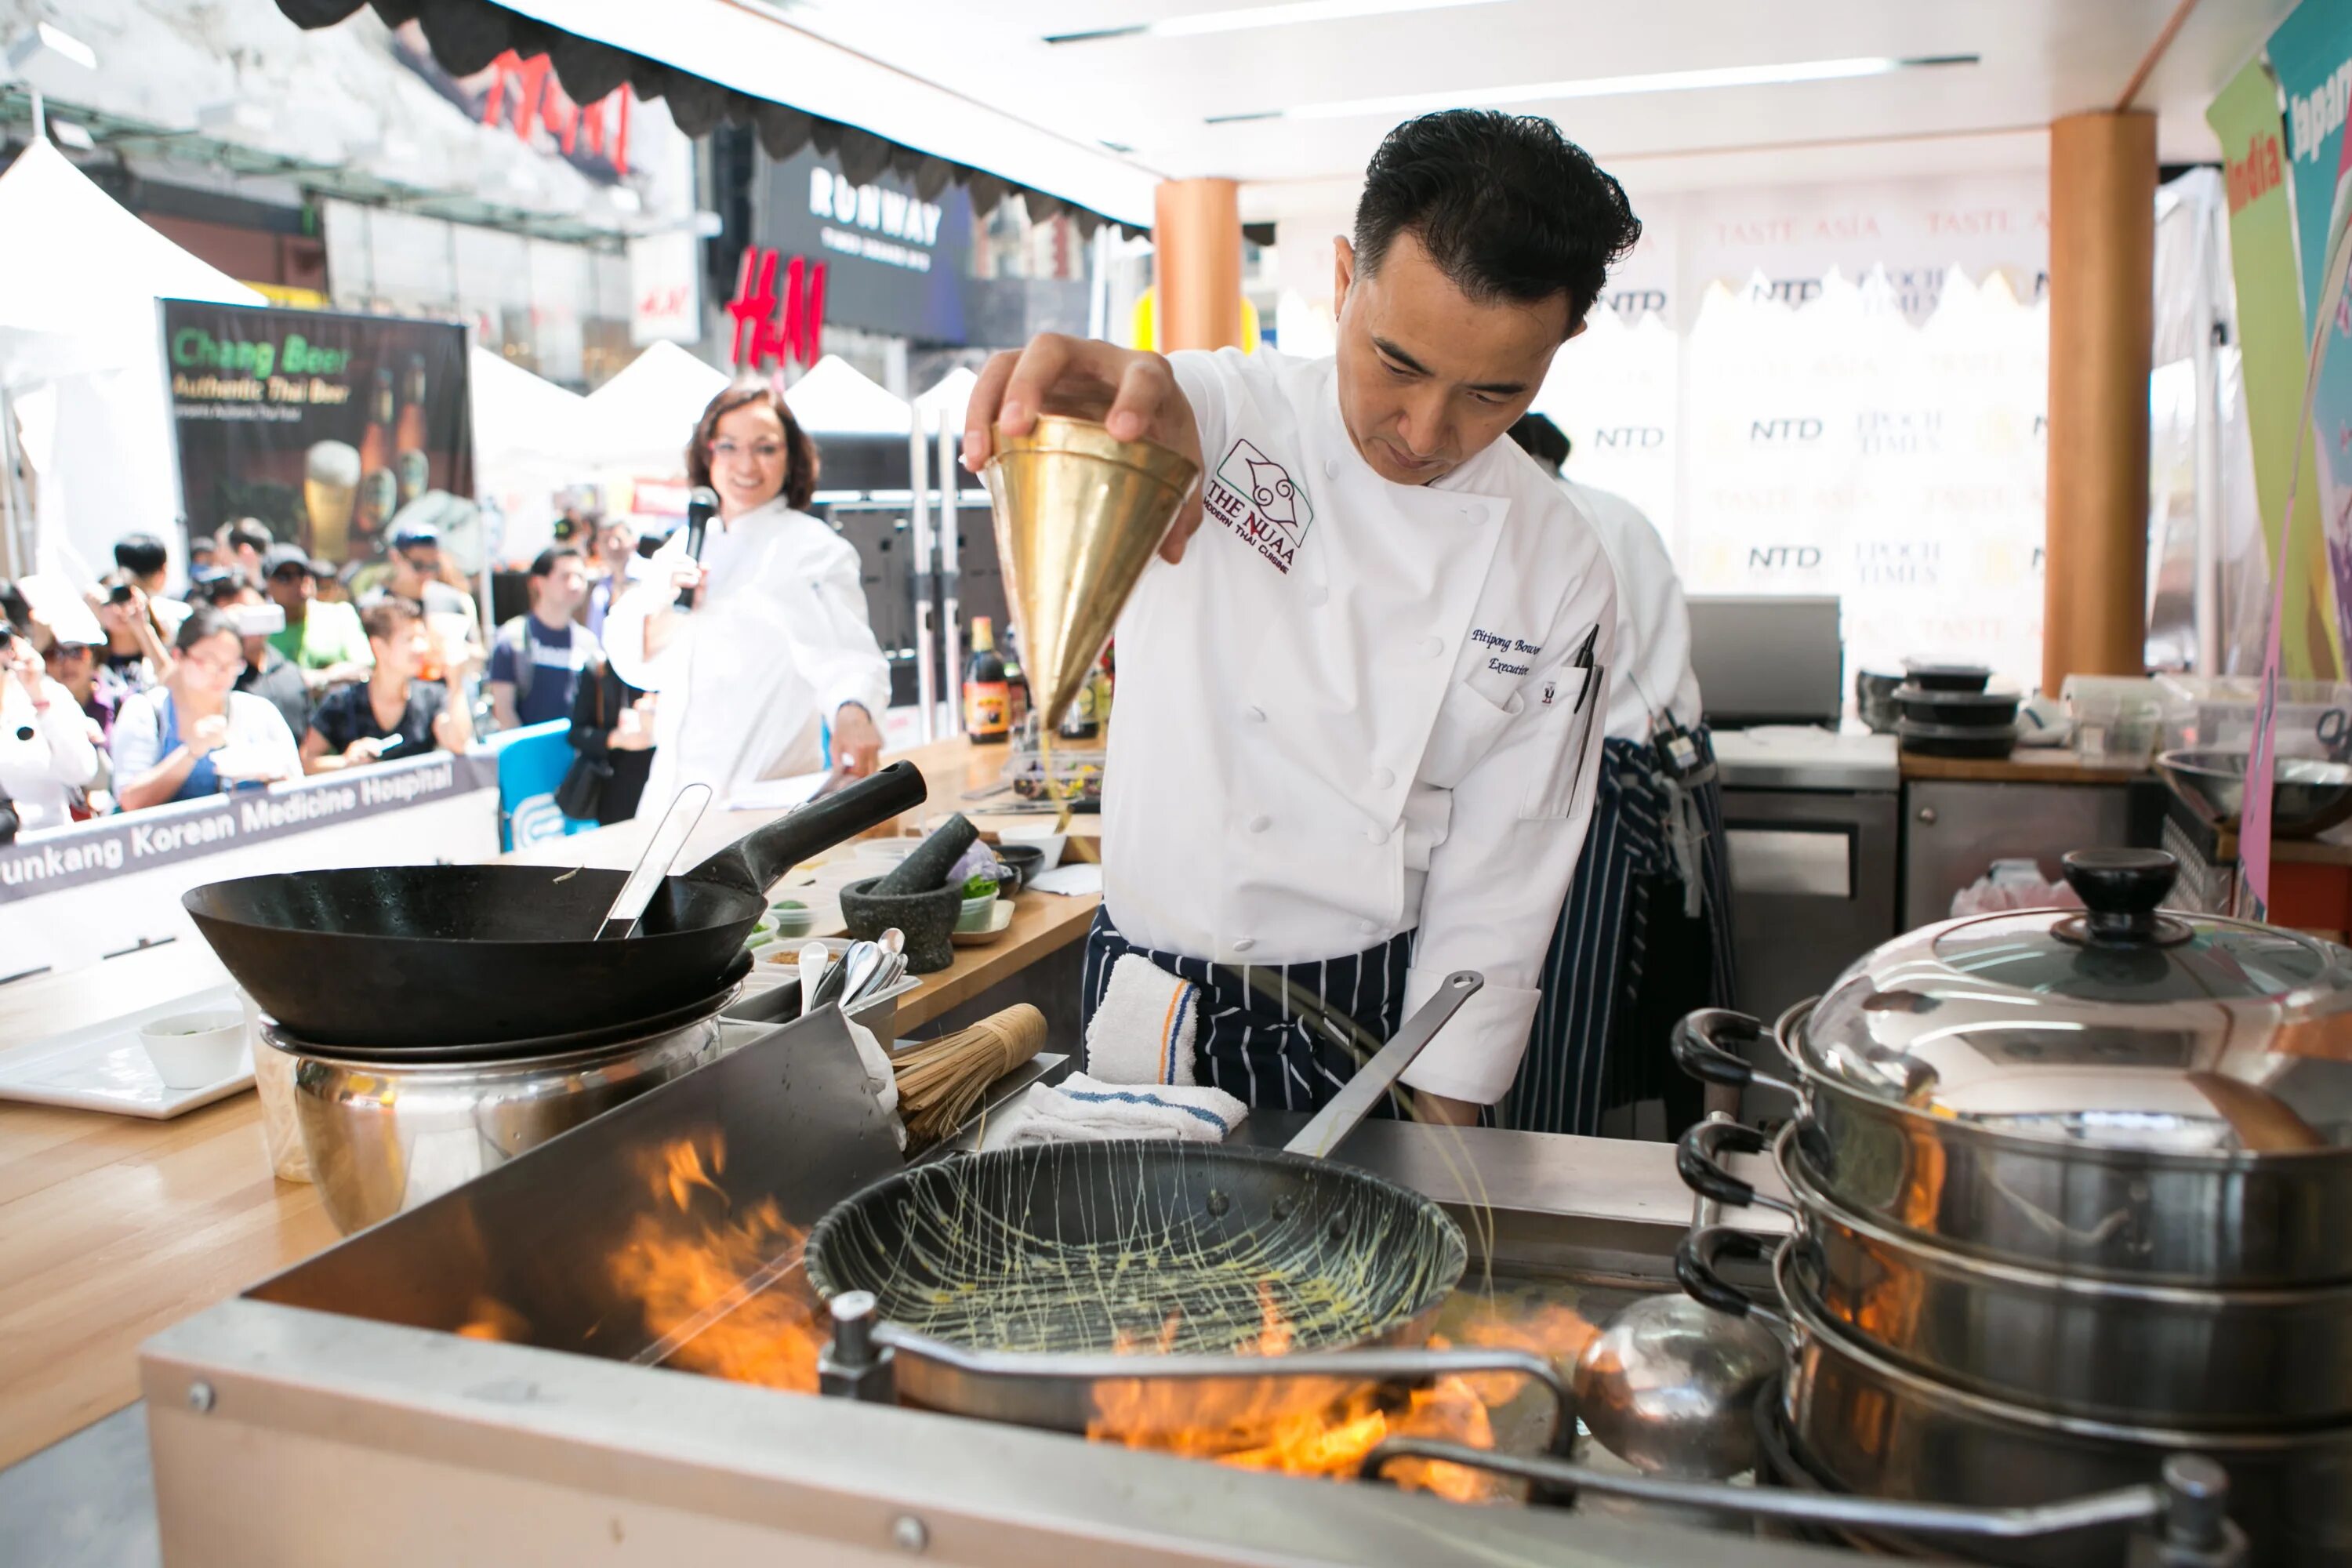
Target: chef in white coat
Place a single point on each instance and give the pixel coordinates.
(1644, 935)
(1358, 701)
(775, 648)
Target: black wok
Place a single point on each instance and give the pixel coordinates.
(387, 956)
(1040, 1253)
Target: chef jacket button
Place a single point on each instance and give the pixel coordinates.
(1260, 824)
(1256, 715)
(1317, 594)
(1383, 777)
(1377, 834)
(1330, 467)
(1244, 944)
(1432, 647)
(1368, 927)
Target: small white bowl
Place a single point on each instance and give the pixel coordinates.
(1042, 835)
(194, 1050)
(976, 913)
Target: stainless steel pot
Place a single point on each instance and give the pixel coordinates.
(2122, 1093)
(2105, 1350)
(385, 1135)
(1868, 1425)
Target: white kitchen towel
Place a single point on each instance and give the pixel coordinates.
(1143, 1029)
(1085, 1110)
(881, 1079)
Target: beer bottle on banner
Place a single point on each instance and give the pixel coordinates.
(987, 702)
(412, 465)
(379, 489)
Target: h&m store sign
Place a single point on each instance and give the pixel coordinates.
(889, 260)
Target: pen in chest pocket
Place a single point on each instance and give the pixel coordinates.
(1583, 661)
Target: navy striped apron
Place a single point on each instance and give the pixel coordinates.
(1273, 1035)
(1597, 1042)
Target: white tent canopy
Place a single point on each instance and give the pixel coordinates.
(531, 441)
(638, 423)
(81, 357)
(835, 399)
(949, 396)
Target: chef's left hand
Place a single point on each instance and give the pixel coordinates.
(857, 744)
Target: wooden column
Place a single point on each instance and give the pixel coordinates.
(1196, 236)
(2102, 263)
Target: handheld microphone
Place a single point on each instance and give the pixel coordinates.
(700, 507)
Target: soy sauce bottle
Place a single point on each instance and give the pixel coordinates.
(987, 695)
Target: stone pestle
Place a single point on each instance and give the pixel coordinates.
(927, 868)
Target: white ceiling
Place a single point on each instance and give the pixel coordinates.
(2040, 58)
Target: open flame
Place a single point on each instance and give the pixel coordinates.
(703, 1276)
(1324, 1427)
(712, 1281)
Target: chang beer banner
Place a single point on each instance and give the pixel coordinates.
(328, 427)
(2272, 344)
(2311, 54)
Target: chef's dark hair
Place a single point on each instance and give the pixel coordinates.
(1506, 205)
(1541, 439)
(800, 452)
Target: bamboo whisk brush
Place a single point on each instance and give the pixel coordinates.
(940, 1080)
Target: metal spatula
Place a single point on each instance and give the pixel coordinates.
(686, 809)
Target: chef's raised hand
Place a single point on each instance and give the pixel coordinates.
(1135, 394)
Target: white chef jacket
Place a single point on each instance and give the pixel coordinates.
(1357, 708)
(778, 643)
(1652, 677)
(43, 753)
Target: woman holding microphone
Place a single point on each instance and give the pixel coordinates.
(759, 645)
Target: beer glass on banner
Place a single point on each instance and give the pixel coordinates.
(331, 484)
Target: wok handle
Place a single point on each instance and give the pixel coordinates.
(1698, 1159)
(1706, 1045)
(1357, 1097)
(1696, 1272)
(753, 863)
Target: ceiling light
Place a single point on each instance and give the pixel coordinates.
(69, 134)
(1603, 87)
(1243, 21)
(45, 39)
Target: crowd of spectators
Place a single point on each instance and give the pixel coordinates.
(264, 665)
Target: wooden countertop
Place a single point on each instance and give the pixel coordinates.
(2027, 765)
(112, 1228)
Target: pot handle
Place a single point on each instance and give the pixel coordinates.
(753, 862)
(1694, 1271)
(1707, 1045)
(1698, 1159)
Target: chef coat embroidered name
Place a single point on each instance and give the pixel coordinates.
(1258, 501)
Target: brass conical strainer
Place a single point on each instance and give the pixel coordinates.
(1079, 515)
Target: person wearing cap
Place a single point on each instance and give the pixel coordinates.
(325, 641)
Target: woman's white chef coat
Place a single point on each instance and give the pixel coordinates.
(1651, 677)
(45, 753)
(778, 643)
(1357, 708)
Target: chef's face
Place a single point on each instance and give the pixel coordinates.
(1428, 376)
(747, 457)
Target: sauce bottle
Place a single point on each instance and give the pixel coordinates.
(987, 696)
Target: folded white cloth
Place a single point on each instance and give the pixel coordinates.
(1143, 1030)
(881, 1079)
(1086, 1109)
